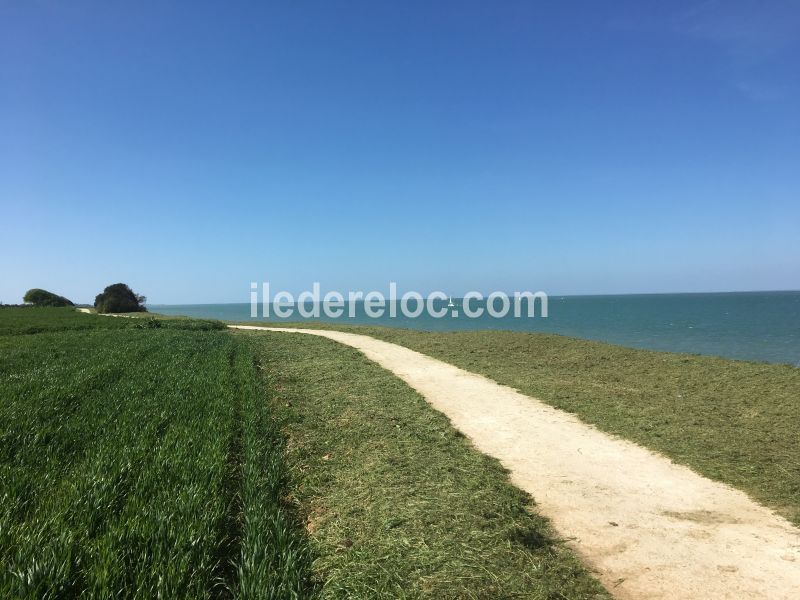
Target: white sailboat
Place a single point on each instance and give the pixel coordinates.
(450, 304)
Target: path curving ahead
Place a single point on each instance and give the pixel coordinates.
(648, 527)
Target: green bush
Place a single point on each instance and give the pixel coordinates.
(119, 298)
(39, 297)
(187, 324)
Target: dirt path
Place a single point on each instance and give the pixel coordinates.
(649, 527)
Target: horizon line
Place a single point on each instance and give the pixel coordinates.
(548, 294)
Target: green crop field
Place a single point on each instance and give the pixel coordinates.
(137, 460)
(170, 458)
(20, 321)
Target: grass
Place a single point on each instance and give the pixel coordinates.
(137, 461)
(396, 502)
(149, 457)
(30, 320)
(730, 420)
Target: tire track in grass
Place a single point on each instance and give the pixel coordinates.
(229, 546)
(275, 556)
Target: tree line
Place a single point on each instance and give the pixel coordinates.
(115, 298)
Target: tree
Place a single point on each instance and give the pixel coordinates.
(39, 297)
(119, 298)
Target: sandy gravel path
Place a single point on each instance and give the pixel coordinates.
(650, 528)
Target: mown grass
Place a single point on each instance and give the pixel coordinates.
(397, 503)
(137, 460)
(730, 420)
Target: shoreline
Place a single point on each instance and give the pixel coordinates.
(751, 326)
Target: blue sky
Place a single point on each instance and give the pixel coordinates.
(188, 148)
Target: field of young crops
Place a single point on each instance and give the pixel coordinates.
(170, 458)
(137, 460)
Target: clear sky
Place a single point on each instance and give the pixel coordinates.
(188, 148)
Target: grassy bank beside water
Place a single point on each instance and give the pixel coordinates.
(397, 503)
(730, 420)
(145, 456)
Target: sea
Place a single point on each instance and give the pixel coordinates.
(758, 326)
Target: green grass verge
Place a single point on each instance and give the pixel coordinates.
(138, 461)
(397, 503)
(730, 420)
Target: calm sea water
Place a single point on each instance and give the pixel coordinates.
(762, 326)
